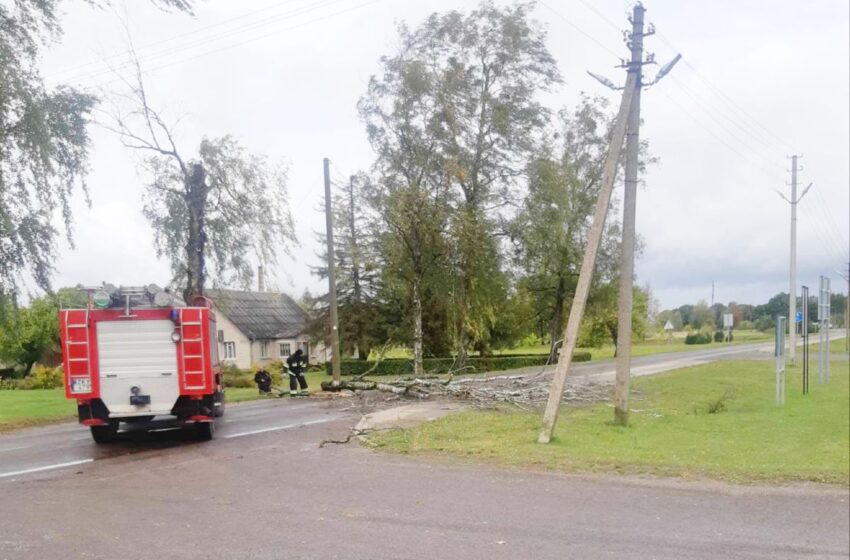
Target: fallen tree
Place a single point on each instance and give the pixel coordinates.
(519, 390)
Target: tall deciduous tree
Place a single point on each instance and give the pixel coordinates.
(550, 229)
(31, 334)
(403, 122)
(43, 143)
(221, 207)
(490, 65)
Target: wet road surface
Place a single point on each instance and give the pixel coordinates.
(263, 489)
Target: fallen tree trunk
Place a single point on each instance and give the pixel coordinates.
(518, 390)
(362, 385)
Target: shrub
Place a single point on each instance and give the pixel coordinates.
(718, 336)
(442, 365)
(698, 338)
(746, 326)
(44, 377)
(232, 376)
(765, 324)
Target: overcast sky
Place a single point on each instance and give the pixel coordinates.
(760, 80)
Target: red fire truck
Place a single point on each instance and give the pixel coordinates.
(140, 356)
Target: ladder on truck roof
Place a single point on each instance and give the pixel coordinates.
(78, 351)
(192, 348)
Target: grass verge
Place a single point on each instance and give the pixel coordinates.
(673, 431)
(19, 409)
(23, 409)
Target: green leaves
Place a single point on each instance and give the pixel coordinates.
(44, 143)
(245, 211)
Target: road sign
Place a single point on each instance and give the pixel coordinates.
(668, 326)
(799, 316)
(728, 320)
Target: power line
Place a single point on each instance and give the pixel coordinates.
(122, 56)
(580, 30)
(708, 110)
(236, 31)
(731, 102)
(747, 133)
(252, 39)
(765, 170)
(601, 15)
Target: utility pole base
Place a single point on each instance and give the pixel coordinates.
(543, 437)
(621, 416)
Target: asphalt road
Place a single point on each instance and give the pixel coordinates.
(264, 489)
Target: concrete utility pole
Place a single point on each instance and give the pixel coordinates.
(627, 249)
(625, 116)
(329, 223)
(559, 381)
(792, 283)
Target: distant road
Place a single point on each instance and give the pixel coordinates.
(603, 370)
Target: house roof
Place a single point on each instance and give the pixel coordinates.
(260, 315)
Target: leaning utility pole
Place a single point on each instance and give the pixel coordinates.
(329, 223)
(627, 248)
(792, 284)
(625, 116)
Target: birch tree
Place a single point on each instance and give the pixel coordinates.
(44, 143)
(492, 64)
(215, 210)
(403, 123)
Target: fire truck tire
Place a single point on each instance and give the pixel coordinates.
(218, 399)
(104, 434)
(205, 430)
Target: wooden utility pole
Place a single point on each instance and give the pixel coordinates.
(627, 248)
(329, 223)
(559, 380)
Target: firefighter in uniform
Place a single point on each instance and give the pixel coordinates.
(263, 380)
(296, 364)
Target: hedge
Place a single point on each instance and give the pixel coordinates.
(400, 366)
(698, 338)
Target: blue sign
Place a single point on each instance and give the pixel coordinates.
(799, 316)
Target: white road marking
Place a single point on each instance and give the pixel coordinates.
(15, 448)
(277, 428)
(46, 468)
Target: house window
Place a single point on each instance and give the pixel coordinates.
(229, 350)
(285, 350)
(264, 349)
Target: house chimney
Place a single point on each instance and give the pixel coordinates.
(260, 284)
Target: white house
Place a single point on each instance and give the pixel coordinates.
(260, 327)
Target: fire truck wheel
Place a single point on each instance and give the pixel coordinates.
(205, 430)
(104, 434)
(218, 404)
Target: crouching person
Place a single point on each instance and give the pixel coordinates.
(264, 383)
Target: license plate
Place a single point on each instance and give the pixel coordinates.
(140, 399)
(82, 385)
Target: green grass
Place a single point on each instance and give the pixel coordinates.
(672, 432)
(241, 394)
(29, 408)
(19, 409)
